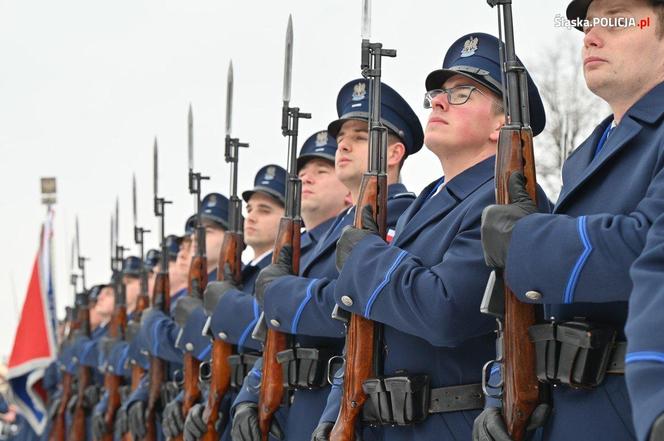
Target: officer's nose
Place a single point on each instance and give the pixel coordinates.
(440, 102)
(592, 37)
(306, 178)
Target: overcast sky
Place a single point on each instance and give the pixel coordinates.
(85, 86)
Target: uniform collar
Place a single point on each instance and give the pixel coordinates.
(319, 230)
(470, 179)
(649, 108)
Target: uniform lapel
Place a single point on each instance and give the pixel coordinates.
(437, 207)
(585, 166)
(329, 239)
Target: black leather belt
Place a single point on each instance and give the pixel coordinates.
(456, 398)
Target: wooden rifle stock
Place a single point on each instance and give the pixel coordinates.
(231, 258)
(113, 382)
(59, 432)
(520, 391)
(272, 385)
(137, 372)
(361, 332)
(78, 419)
(191, 366)
(157, 372)
(77, 431)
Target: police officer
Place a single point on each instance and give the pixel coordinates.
(575, 261)
(113, 351)
(188, 312)
(233, 310)
(425, 287)
(323, 198)
(101, 301)
(307, 309)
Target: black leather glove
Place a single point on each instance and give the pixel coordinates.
(91, 396)
(350, 236)
(273, 271)
(657, 432)
(322, 432)
(245, 424)
(137, 420)
(215, 290)
(99, 428)
(172, 420)
(195, 426)
(184, 307)
(133, 327)
(121, 425)
(490, 425)
(498, 221)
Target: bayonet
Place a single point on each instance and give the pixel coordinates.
(229, 98)
(288, 61)
(80, 259)
(190, 138)
(133, 200)
(366, 19)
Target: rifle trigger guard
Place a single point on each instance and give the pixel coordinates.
(486, 377)
(330, 373)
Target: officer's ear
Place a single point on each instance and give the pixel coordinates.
(498, 122)
(396, 152)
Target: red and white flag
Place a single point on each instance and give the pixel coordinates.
(34, 344)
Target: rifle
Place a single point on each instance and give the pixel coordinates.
(230, 259)
(117, 326)
(78, 431)
(272, 385)
(198, 276)
(363, 359)
(160, 299)
(143, 300)
(71, 325)
(515, 153)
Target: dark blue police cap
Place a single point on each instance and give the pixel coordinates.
(131, 266)
(319, 145)
(577, 9)
(93, 293)
(476, 56)
(152, 258)
(173, 246)
(396, 114)
(270, 180)
(214, 207)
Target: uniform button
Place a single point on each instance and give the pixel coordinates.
(223, 335)
(189, 347)
(534, 295)
(347, 301)
(275, 323)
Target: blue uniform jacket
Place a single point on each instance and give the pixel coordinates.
(426, 288)
(645, 340)
(579, 257)
(160, 332)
